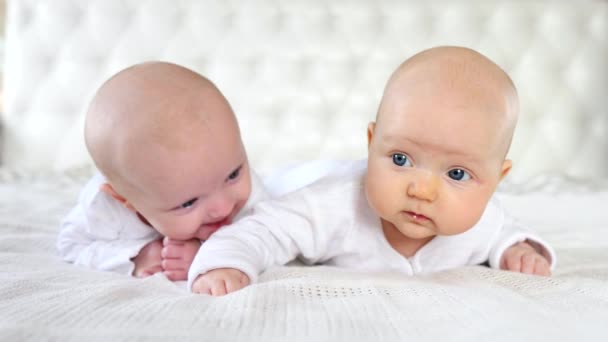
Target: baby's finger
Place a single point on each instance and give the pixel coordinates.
(175, 275)
(169, 241)
(542, 268)
(173, 264)
(514, 263)
(244, 279)
(201, 287)
(503, 264)
(143, 274)
(235, 284)
(171, 252)
(528, 263)
(149, 271)
(218, 287)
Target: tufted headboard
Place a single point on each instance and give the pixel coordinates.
(305, 76)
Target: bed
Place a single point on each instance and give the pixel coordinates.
(304, 78)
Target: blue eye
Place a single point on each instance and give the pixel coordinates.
(188, 204)
(401, 159)
(459, 174)
(235, 173)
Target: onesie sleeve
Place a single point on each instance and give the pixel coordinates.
(299, 175)
(277, 231)
(258, 194)
(512, 232)
(101, 234)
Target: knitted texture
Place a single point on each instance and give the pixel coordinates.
(43, 298)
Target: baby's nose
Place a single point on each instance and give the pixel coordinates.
(424, 185)
(219, 207)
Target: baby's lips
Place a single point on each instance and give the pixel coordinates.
(416, 216)
(207, 229)
(218, 224)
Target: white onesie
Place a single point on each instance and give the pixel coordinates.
(331, 222)
(102, 234)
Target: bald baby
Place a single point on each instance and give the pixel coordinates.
(168, 146)
(154, 106)
(441, 136)
(456, 77)
(436, 153)
(447, 116)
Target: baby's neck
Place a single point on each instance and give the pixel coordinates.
(402, 244)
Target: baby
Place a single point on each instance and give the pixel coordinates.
(173, 170)
(423, 202)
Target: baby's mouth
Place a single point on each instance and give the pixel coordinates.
(417, 217)
(218, 224)
(207, 229)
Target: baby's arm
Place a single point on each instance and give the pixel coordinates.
(248, 245)
(102, 248)
(275, 233)
(100, 234)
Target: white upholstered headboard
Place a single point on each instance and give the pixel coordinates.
(305, 76)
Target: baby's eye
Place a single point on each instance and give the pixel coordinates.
(235, 173)
(187, 204)
(401, 159)
(459, 174)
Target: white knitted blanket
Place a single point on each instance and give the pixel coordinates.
(43, 298)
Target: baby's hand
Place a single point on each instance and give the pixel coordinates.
(220, 281)
(522, 257)
(177, 256)
(148, 261)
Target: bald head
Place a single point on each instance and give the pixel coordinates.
(458, 75)
(154, 105)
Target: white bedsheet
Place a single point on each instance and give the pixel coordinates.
(43, 298)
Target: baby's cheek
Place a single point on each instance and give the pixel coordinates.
(238, 207)
(165, 231)
(463, 217)
(241, 196)
(177, 229)
(374, 201)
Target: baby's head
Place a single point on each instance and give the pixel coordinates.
(170, 147)
(437, 149)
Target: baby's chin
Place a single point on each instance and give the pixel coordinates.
(416, 231)
(413, 236)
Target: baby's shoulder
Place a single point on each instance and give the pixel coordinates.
(92, 199)
(92, 189)
(338, 187)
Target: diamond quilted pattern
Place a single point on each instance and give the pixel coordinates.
(305, 77)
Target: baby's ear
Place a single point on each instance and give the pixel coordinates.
(109, 190)
(506, 167)
(370, 132)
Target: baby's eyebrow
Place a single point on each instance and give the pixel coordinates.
(391, 139)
